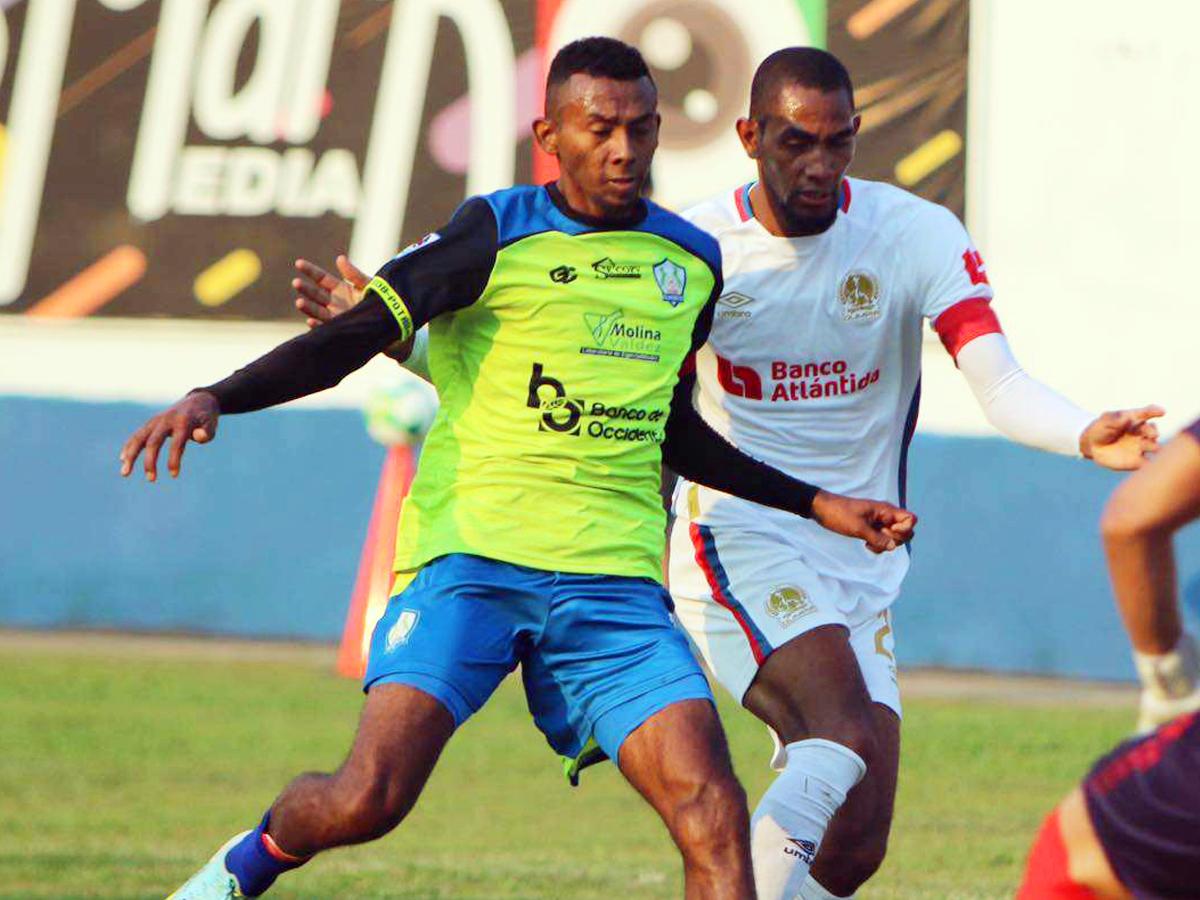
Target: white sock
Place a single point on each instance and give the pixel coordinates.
(790, 820)
(812, 890)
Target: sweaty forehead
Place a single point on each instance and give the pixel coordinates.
(585, 95)
(811, 108)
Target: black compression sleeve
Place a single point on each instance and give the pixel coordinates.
(311, 362)
(446, 270)
(701, 455)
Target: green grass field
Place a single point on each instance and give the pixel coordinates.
(120, 772)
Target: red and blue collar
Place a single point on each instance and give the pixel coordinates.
(741, 199)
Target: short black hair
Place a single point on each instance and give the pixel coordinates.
(805, 66)
(600, 57)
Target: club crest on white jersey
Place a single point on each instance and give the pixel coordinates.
(859, 296)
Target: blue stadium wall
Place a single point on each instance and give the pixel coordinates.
(261, 538)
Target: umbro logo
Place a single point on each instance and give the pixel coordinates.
(733, 305)
(734, 299)
(805, 850)
(563, 274)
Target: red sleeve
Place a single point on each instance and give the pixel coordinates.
(965, 321)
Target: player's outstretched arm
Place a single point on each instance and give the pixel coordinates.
(304, 365)
(1027, 411)
(443, 272)
(699, 453)
(1138, 525)
(321, 295)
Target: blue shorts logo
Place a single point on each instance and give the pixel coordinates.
(399, 633)
(671, 279)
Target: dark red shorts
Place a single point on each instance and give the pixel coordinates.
(1144, 803)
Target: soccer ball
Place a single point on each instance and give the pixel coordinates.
(401, 413)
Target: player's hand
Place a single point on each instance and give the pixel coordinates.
(1123, 439)
(881, 526)
(192, 418)
(322, 295)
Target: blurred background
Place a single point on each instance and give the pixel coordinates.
(165, 162)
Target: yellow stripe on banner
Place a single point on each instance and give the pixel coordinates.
(934, 153)
(227, 277)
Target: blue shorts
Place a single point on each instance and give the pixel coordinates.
(599, 654)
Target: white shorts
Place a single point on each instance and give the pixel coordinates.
(740, 595)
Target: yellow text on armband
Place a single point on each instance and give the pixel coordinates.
(389, 296)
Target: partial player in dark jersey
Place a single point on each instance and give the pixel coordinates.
(559, 317)
(1132, 829)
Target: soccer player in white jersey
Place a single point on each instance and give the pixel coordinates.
(814, 365)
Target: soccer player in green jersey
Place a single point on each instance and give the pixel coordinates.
(560, 318)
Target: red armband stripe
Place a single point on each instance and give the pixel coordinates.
(965, 321)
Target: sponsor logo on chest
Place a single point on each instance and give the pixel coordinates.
(561, 413)
(614, 335)
(794, 381)
(606, 268)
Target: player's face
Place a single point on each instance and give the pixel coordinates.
(604, 133)
(803, 145)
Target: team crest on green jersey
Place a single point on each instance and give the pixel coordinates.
(671, 279)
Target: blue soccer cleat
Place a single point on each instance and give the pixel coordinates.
(213, 881)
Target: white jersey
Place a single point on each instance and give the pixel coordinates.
(813, 364)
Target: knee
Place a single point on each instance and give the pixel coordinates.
(849, 723)
(846, 867)
(854, 732)
(710, 816)
(1128, 517)
(370, 804)
(1123, 518)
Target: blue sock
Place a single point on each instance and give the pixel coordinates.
(254, 865)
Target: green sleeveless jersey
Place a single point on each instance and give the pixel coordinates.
(555, 345)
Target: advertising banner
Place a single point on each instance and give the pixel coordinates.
(170, 158)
